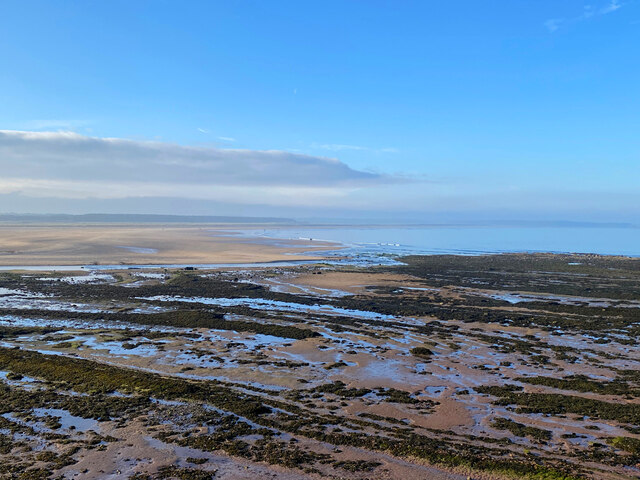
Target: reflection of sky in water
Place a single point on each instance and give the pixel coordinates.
(92, 277)
(115, 347)
(13, 321)
(21, 300)
(261, 303)
(138, 249)
(68, 421)
(26, 382)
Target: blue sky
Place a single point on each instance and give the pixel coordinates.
(505, 109)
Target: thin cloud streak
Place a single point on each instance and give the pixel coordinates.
(55, 124)
(337, 147)
(553, 24)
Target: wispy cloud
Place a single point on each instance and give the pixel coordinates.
(589, 11)
(611, 7)
(55, 124)
(224, 139)
(553, 24)
(338, 147)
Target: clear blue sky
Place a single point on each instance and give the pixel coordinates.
(513, 108)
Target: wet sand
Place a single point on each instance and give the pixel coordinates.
(142, 245)
(362, 372)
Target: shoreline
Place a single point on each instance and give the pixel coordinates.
(150, 266)
(73, 247)
(131, 245)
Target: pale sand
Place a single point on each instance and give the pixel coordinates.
(354, 282)
(103, 244)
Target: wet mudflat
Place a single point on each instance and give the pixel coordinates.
(507, 366)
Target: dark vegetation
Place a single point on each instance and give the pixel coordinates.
(614, 278)
(582, 383)
(560, 404)
(89, 377)
(521, 430)
(177, 318)
(422, 352)
(595, 276)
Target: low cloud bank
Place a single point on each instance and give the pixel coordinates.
(72, 165)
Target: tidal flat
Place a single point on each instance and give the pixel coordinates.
(440, 367)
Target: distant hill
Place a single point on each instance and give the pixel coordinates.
(135, 218)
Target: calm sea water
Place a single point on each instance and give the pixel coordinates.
(468, 240)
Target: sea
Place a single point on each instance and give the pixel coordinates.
(463, 240)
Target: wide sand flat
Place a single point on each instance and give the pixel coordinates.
(146, 244)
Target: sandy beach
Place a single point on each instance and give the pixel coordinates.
(111, 244)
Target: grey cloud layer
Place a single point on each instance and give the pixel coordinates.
(72, 157)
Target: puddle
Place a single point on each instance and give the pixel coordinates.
(264, 304)
(26, 382)
(92, 277)
(117, 348)
(22, 300)
(153, 275)
(13, 321)
(514, 298)
(435, 391)
(68, 421)
(138, 249)
(8, 291)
